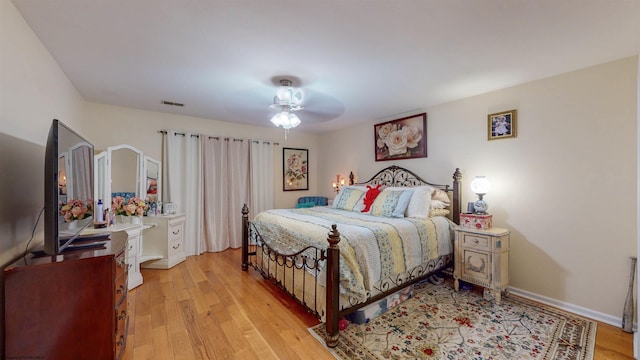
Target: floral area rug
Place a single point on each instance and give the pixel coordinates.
(439, 323)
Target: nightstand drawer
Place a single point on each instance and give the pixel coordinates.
(475, 241)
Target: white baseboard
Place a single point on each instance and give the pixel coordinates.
(578, 310)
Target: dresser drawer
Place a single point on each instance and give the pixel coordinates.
(175, 232)
(121, 340)
(476, 241)
(120, 290)
(122, 315)
(132, 264)
(132, 248)
(121, 265)
(176, 247)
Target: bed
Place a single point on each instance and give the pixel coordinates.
(337, 259)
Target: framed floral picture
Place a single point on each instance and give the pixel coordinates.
(404, 138)
(502, 125)
(295, 173)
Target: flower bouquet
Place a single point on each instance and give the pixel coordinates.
(76, 210)
(132, 207)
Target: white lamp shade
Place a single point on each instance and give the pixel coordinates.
(480, 185)
(285, 119)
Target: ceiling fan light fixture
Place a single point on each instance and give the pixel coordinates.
(288, 99)
(285, 119)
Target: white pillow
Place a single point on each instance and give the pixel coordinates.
(420, 202)
(437, 204)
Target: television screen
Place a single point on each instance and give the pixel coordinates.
(68, 187)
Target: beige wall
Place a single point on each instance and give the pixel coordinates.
(33, 91)
(113, 125)
(566, 186)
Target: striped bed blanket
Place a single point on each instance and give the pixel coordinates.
(372, 248)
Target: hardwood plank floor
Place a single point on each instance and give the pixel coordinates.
(207, 308)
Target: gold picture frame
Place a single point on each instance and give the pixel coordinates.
(502, 125)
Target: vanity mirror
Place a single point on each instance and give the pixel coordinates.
(153, 171)
(123, 170)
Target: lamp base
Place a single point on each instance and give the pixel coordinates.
(480, 207)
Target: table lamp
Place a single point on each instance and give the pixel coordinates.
(480, 186)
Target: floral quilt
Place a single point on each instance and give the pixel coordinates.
(371, 247)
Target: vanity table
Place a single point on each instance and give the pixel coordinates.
(124, 170)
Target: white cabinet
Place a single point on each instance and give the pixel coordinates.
(134, 240)
(163, 244)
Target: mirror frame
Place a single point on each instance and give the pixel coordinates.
(105, 158)
(148, 159)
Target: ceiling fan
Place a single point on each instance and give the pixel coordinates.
(308, 105)
(287, 100)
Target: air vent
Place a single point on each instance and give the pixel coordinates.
(172, 103)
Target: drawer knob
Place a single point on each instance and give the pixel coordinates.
(123, 315)
(176, 247)
(475, 241)
(121, 340)
(120, 263)
(176, 232)
(120, 289)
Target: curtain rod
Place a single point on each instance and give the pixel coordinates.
(164, 132)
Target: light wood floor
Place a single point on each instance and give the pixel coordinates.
(207, 308)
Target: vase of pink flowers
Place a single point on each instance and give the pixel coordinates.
(128, 211)
(76, 209)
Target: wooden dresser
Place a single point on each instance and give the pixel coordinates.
(70, 306)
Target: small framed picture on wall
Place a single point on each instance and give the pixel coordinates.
(295, 169)
(502, 125)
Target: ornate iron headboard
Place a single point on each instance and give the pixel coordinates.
(398, 176)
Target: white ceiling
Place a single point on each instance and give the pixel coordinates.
(357, 60)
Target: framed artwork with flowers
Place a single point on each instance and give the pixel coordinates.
(404, 138)
(295, 169)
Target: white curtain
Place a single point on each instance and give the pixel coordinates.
(182, 183)
(261, 176)
(225, 163)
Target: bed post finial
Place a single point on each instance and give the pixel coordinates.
(245, 237)
(333, 287)
(457, 196)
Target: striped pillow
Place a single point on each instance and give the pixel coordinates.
(391, 203)
(348, 198)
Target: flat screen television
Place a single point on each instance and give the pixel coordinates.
(68, 187)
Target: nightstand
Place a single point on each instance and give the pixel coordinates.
(482, 258)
